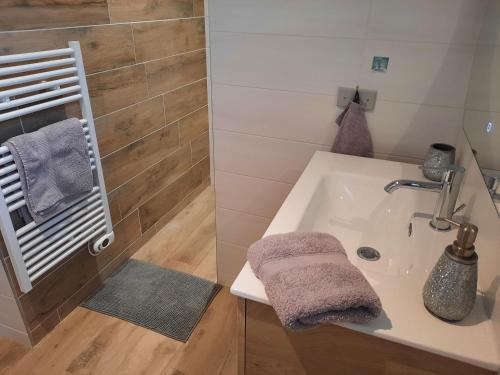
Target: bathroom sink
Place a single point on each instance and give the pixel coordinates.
(344, 196)
(358, 211)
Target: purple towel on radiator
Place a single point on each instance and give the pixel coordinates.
(54, 168)
(353, 136)
(309, 280)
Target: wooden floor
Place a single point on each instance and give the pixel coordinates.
(87, 342)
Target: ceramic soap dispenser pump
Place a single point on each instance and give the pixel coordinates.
(450, 291)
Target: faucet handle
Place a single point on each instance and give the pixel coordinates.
(452, 222)
(459, 208)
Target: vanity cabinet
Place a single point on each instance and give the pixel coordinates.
(266, 348)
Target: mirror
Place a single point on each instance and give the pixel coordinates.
(482, 109)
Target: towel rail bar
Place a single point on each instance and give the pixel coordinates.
(57, 250)
(9, 179)
(30, 230)
(35, 66)
(37, 87)
(16, 205)
(11, 188)
(36, 77)
(34, 82)
(82, 239)
(39, 107)
(13, 197)
(38, 97)
(20, 57)
(36, 258)
(60, 227)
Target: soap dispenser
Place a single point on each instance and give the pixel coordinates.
(450, 291)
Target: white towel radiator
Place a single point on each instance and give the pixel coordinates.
(29, 83)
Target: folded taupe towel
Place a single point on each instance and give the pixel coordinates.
(54, 168)
(309, 280)
(353, 136)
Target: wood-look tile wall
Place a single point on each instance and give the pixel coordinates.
(147, 82)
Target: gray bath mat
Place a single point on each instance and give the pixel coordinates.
(165, 301)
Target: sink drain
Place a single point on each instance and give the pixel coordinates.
(368, 253)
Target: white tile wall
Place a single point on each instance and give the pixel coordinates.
(240, 228)
(11, 322)
(276, 66)
(294, 63)
(229, 257)
(278, 114)
(398, 129)
(10, 315)
(5, 289)
(420, 73)
(343, 18)
(252, 195)
(256, 156)
(15, 335)
(407, 130)
(445, 21)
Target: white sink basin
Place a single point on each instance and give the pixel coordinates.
(358, 211)
(344, 196)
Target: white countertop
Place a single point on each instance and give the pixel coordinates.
(405, 319)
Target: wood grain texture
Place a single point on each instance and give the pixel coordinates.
(187, 242)
(40, 14)
(114, 207)
(142, 187)
(115, 89)
(176, 71)
(103, 47)
(194, 125)
(210, 351)
(125, 126)
(270, 349)
(47, 325)
(155, 40)
(200, 148)
(241, 327)
(199, 8)
(165, 219)
(129, 161)
(181, 102)
(127, 118)
(10, 353)
(59, 285)
(87, 342)
(148, 10)
(167, 198)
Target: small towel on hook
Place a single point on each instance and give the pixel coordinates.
(54, 168)
(353, 136)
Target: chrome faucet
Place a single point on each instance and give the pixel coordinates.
(493, 185)
(448, 190)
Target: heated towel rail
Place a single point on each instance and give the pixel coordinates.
(30, 83)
